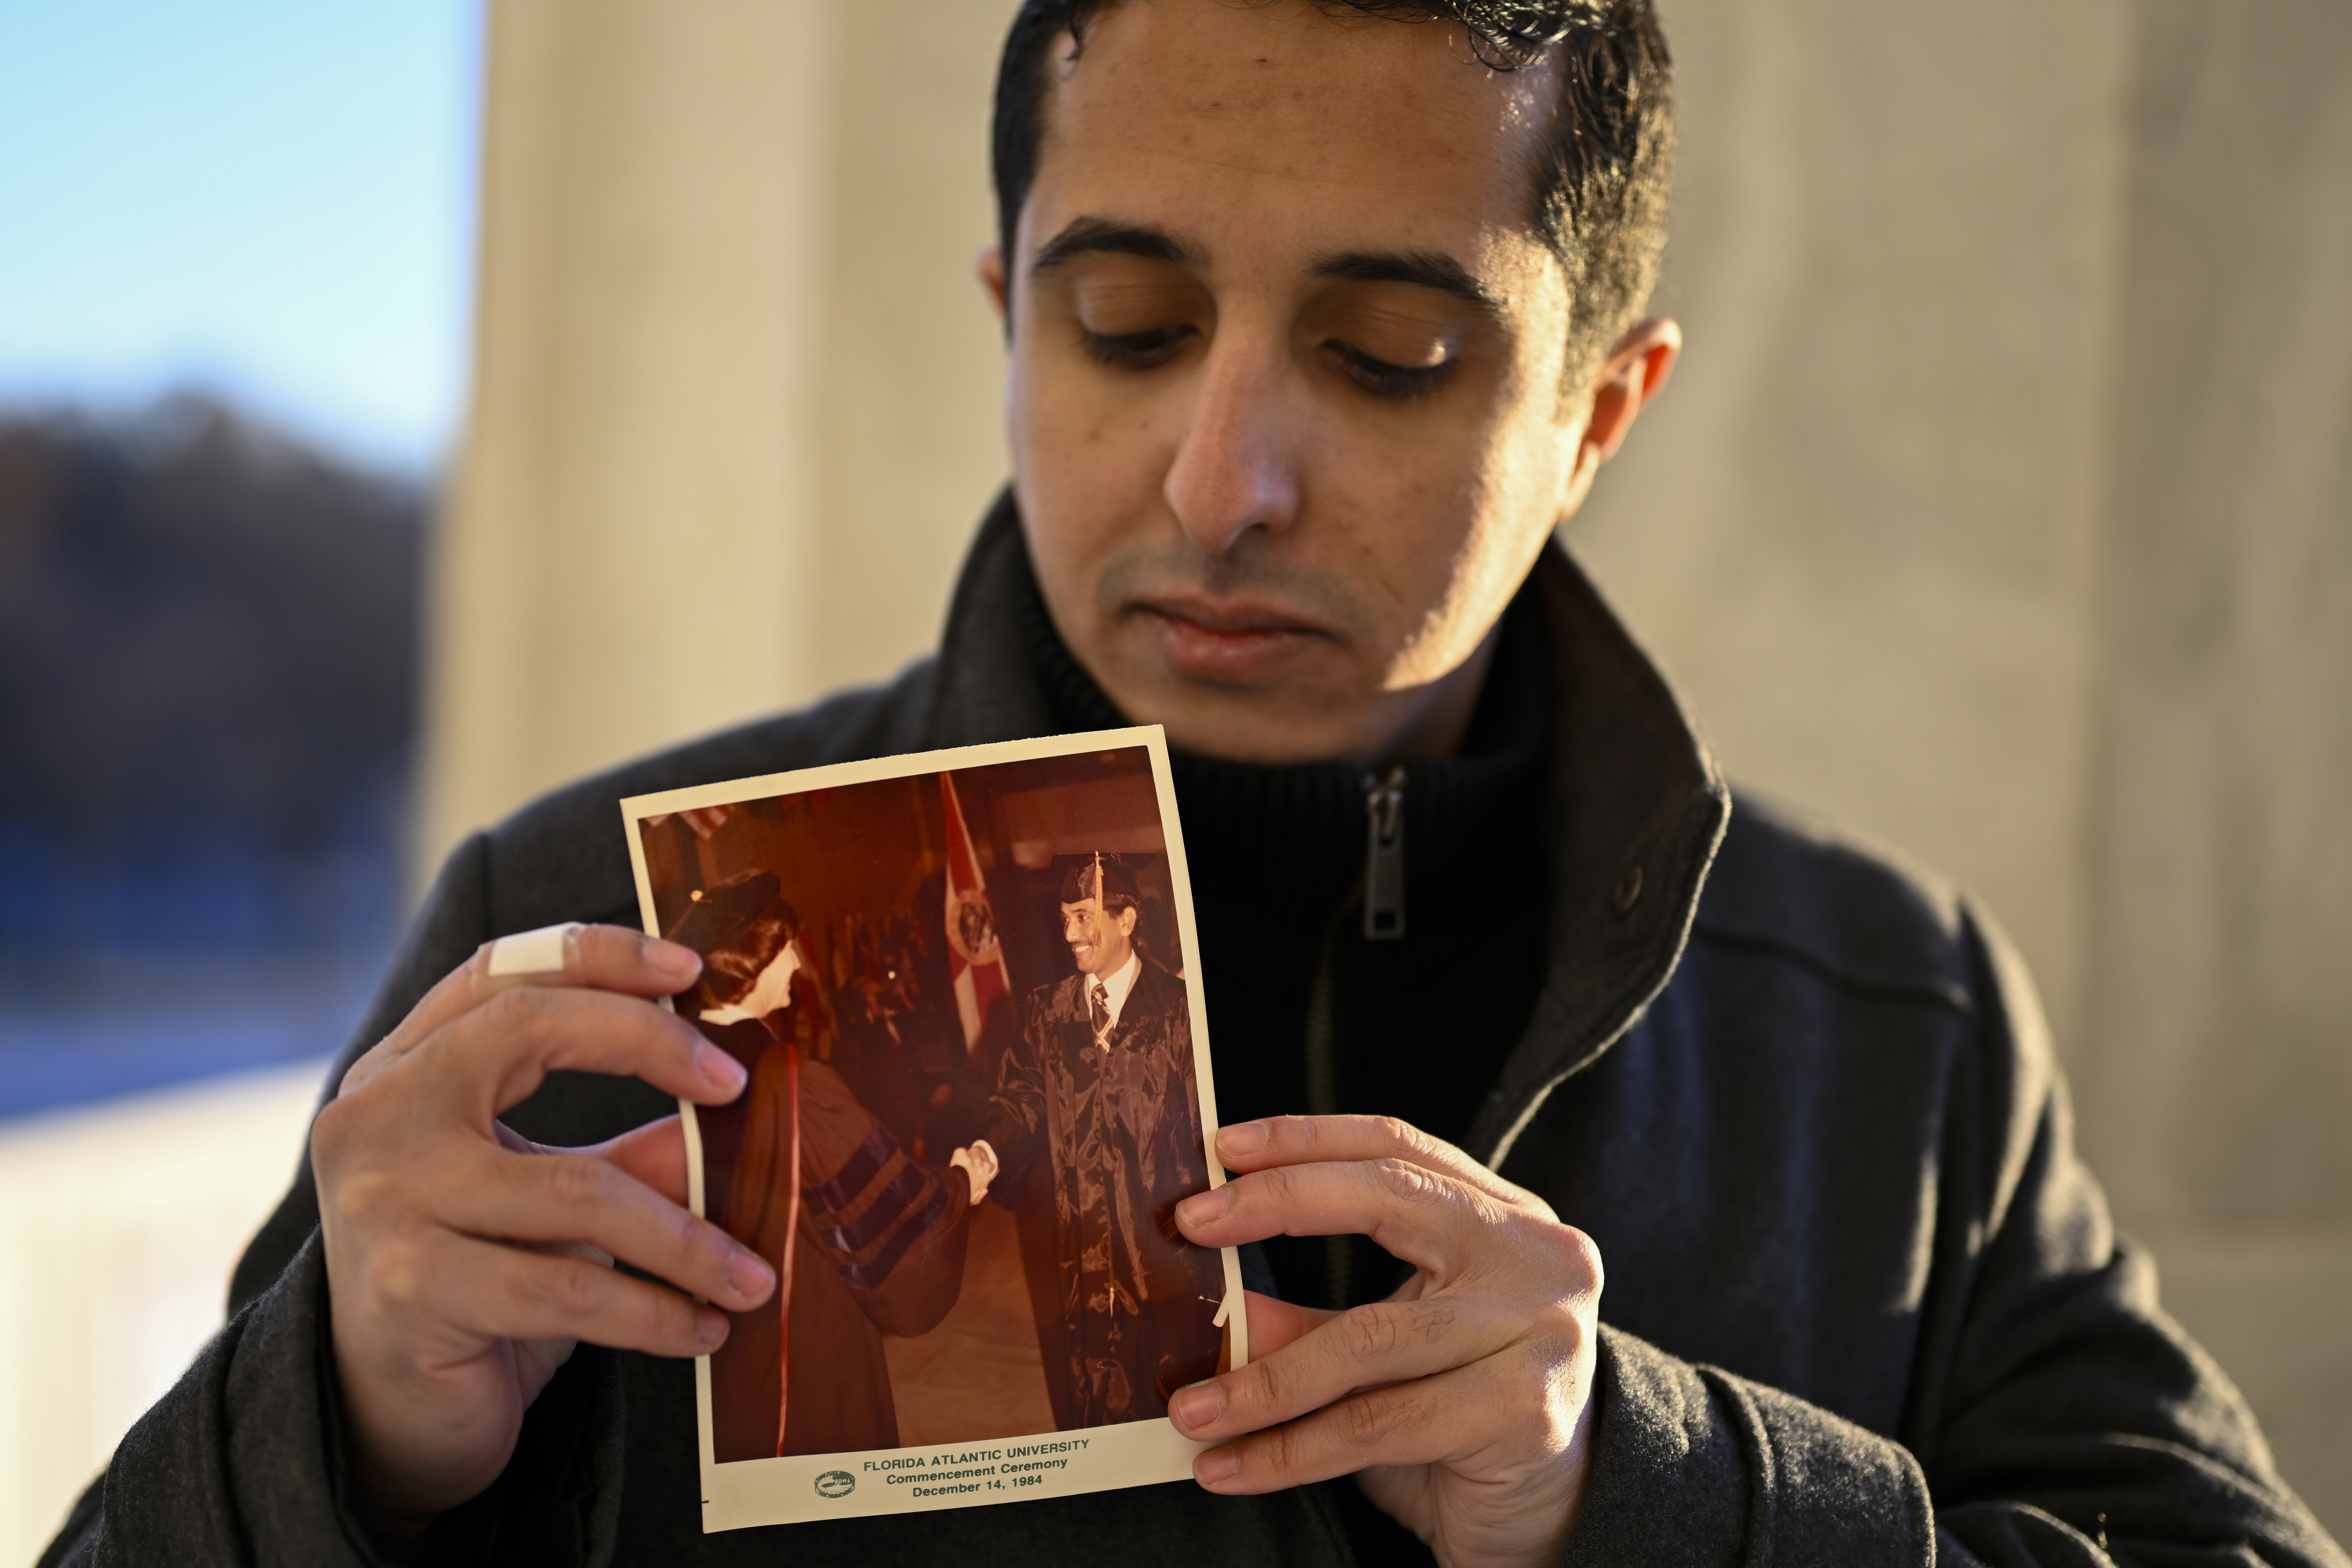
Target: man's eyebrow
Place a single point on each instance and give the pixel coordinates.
(1103, 236)
(1421, 269)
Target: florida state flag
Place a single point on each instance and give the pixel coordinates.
(975, 958)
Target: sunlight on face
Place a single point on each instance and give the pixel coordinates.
(1283, 397)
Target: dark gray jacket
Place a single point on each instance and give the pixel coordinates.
(1864, 1304)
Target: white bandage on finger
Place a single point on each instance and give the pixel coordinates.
(540, 952)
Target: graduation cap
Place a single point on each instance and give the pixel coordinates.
(1100, 876)
(717, 917)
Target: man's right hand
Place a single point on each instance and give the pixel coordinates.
(464, 1261)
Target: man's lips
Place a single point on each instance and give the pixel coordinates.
(1216, 642)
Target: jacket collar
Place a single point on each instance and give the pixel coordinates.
(987, 688)
(1634, 807)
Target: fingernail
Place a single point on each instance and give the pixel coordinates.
(719, 1069)
(1197, 1406)
(1201, 1208)
(710, 1328)
(750, 1274)
(1217, 1465)
(1245, 1138)
(672, 960)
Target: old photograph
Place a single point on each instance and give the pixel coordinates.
(965, 990)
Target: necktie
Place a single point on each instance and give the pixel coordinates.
(1098, 1011)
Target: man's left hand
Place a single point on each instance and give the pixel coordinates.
(1460, 1404)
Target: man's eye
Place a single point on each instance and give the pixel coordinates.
(1382, 379)
(1135, 351)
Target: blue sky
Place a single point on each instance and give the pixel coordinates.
(272, 198)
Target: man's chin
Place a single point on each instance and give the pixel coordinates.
(1305, 711)
(1252, 729)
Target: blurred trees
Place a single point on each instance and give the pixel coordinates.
(208, 646)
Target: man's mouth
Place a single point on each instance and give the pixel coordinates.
(1238, 642)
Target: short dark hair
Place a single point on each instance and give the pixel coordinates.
(1600, 179)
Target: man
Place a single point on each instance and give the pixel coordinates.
(1318, 326)
(1101, 1090)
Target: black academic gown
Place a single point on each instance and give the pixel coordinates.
(1110, 1137)
(878, 1249)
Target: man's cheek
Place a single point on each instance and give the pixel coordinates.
(1109, 450)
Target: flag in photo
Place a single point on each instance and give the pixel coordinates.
(975, 957)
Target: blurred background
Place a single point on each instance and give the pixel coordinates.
(405, 407)
(235, 267)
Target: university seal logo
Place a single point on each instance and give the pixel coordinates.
(973, 932)
(836, 1483)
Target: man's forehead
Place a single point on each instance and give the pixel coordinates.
(1175, 108)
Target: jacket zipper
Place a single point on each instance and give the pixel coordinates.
(1384, 856)
(1383, 896)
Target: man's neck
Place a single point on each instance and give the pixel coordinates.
(1436, 718)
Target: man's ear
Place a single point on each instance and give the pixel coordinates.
(1637, 371)
(1125, 918)
(989, 265)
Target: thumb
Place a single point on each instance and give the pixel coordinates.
(654, 1154)
(1275, 1323)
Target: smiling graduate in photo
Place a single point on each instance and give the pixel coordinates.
(1100, 1089)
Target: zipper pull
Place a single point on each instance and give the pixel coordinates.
(1384, 856)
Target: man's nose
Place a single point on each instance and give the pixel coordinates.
(1235, 469)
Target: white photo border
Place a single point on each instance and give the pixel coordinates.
(802, 1487)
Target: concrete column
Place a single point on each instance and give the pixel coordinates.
(628, 556)
(1861, 529)
(735, 389)
(914, 442)
(2002, 509)
(2217, 1082)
